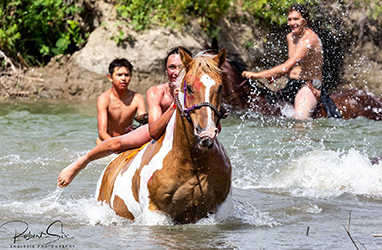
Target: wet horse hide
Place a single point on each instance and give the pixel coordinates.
(240, 93)
(186, 174)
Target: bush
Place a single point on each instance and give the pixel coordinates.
(271, 11)
(39, 29)
(144, 14)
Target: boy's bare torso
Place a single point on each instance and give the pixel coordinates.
(121, 112)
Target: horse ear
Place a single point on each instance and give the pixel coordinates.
(220, 58)
(214, 44)
(184, 57)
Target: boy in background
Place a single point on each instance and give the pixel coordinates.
(117, 106)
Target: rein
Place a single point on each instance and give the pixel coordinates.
(237, 88)
(222, 114)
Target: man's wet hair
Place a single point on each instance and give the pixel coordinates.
(120, 62)
(300, 9)
(172, 51)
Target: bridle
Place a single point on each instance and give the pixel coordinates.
(222, 114)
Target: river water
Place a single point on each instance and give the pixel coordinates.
(296, 185)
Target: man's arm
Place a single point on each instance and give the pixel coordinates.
(283, 69)
(157, 120)
(102, 105)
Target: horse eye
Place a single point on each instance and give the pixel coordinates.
(189, 90)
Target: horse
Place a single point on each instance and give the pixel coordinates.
(242, 94)
(186, 174)
(350, 103)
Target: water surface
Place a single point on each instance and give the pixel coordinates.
(295, 185)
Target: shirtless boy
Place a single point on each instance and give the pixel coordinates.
(160, 101)
(304, 64)
(117, 106)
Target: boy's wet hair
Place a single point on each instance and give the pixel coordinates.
(172, 51)
(300, 9)
(120, 62)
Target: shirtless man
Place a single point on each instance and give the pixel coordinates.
(304, 64)
(160, 100)
(117, 106)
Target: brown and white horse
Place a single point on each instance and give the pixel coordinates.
(186, 174)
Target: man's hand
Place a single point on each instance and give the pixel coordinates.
(176, 91)
(142, 119)
(249, 74)
(174, 88)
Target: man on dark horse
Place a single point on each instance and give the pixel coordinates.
(304, 67)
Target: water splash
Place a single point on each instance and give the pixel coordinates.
(326, 173)
(249, 214)
(54, 196)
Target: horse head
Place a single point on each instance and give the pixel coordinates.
(200, 97)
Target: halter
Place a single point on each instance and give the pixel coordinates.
(222, 114)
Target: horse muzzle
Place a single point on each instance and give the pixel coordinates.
(206, 137)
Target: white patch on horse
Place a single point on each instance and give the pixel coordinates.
(123, 184)
(208, 82)
(181, 98)
(99, 183)
(156, 163)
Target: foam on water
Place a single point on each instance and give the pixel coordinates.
(249, 214)
(326, 173)
(76, 211)
(88, 211)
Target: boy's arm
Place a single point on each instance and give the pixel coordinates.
(141, 106)
(102, 105)
(157, 120)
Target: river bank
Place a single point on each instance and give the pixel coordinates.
(352, 44)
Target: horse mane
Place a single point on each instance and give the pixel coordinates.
(203, 63)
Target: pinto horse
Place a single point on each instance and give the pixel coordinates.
(186, 173)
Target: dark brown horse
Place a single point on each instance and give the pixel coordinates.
(240, 93)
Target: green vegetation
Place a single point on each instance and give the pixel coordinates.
(39, 29)
(144, 14)
(372, 8)
(272, 11)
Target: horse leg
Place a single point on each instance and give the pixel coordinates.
(106, 182)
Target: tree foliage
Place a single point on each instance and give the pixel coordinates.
(271, 11)
(39, 29)
(144, 14)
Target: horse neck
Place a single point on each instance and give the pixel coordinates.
(185, 142)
